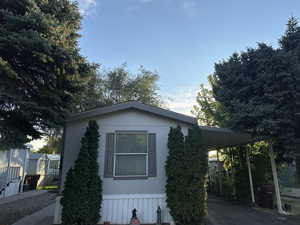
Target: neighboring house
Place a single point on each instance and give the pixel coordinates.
(132, 154)
(44, 165)
(13, 165)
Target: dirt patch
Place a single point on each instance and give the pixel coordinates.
(13, 211)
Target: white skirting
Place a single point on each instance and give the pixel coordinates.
(117, 208)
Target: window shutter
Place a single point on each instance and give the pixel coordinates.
(152, 155)
(109, 155)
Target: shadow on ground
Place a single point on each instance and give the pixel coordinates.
(221, 212)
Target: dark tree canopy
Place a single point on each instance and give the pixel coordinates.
(41, 68)
(260, 90)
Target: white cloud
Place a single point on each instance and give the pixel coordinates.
(183, 100)
(86, 7)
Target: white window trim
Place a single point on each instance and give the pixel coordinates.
(115, 153)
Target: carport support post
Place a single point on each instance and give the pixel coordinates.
(250, 176)
(275, 179)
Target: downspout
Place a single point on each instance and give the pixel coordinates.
(250, 176)
(275, 179)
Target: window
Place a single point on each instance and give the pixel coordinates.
(54, 164)
(131, 154)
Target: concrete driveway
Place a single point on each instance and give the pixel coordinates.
(42, 217)
(221, 212)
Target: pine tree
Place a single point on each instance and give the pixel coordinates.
(83, 187)
(41, 68)
(186, 171)
(259, 90)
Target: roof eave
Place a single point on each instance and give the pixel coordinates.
(133, 105)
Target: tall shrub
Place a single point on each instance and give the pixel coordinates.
(186, 171)
(175, 172)
(82, 192)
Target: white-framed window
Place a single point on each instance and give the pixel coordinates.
(131, 154)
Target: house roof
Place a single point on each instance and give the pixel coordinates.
(133, 105)
(213, 137)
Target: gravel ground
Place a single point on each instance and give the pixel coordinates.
(13, 211)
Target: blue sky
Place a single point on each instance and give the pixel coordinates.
(180, 39)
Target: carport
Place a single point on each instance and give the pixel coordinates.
(216, 138)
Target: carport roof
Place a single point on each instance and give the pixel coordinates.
(214, 137)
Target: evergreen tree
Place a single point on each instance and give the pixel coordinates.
(41, 68)
(175, 172)
(82, 194)
(186, 171)
(260, 91)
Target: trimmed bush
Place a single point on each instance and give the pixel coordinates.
(82, 195)
(186, 171)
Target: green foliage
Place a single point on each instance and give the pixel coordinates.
(241, 183)
(260, 91)
(209, 112)
(82, 195)
(261, 164)
(41, 68)
(228, 187)
(119, 85)
(186, 170)
(236, 164)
